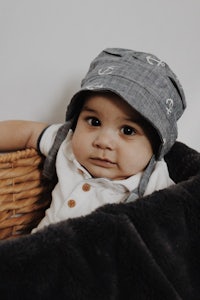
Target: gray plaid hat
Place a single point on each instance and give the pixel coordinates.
(142, 80)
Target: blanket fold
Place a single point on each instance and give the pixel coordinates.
(148, 249)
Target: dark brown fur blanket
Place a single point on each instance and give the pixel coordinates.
(149, 249)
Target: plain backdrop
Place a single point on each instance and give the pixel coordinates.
(46, 47)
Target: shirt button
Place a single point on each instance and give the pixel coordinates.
(86, 187)
(71, 203)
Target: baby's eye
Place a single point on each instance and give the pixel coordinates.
(93, 121)
(127, 130)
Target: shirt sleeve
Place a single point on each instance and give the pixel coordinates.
(47, 138)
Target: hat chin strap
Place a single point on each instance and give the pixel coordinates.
(140, 190)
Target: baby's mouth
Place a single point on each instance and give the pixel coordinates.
(104, 162)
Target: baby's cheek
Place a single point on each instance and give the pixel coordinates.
(132, 165)
(75, 145)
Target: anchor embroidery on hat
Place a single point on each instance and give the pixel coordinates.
(169, 106)
(106, 71)
(151, 60)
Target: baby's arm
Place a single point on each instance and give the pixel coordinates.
(18, 134)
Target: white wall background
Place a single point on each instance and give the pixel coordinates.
(46, 47)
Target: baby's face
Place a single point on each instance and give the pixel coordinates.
(108, 140)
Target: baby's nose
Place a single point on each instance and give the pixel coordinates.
(105, 139)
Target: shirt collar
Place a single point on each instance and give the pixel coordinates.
(131, 182)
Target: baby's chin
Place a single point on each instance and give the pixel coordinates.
(107, 176)
(107, 173)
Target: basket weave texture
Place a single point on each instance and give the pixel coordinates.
(24, 195)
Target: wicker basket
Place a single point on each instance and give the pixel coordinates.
(24, 195)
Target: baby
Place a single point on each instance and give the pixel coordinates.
(118, 128)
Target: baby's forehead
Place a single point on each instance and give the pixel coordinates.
(93, 100)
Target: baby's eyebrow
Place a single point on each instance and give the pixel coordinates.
(88, 109)
(134, 119)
